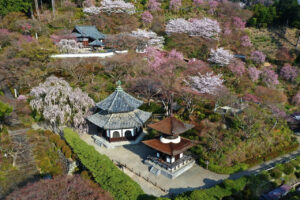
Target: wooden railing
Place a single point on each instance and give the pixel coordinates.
(169, 166)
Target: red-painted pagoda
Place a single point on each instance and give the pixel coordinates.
(170, 147)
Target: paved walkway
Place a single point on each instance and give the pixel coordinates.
(196, 178)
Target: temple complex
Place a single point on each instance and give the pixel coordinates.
(169, 158)
(118, 117)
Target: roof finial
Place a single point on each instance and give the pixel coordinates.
(119, 88)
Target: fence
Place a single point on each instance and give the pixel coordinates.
(147, 179)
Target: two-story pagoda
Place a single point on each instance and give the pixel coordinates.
(118, 117)
(169, 158)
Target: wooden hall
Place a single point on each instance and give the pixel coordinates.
(118, 117)
(169, 158)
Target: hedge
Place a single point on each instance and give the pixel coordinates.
(103, 170)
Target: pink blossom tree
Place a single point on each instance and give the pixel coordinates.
(154, 5)
(220, 56)
(60, 104)
(258, 57)
(296, 99)
(205, 84)
(237, 67)
(111, 6)
(147, 18)
(175, 4)
(227, 29)
(173, 54)
(213, 5)
(289, 72)
(269, 77)
(253, 73)
(238, 23)
(245, 41)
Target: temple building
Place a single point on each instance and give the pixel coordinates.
(118, 117)
(169, 158)
(89, 36)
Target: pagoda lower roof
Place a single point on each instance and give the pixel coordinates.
(132, 119)
(171, 149)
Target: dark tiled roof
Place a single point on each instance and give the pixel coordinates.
(171, 126)
(169, 148)
(88, 31)
(119, 102)
(96, 43)
(132, 119)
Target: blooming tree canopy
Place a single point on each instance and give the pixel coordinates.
(220, 56)
(238, 23)
(237, 67)
(253, 73)
(258, 57)
(205, 27)
(289, 72)
(175, 4)
(245, 41)
(205, 84)
(198, 2)
(154, 5)
(111, 6)
(60, 104)
(153, 39)
(269, 77)
(147, 17)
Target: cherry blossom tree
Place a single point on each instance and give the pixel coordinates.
(111, 6)
(152, 38)
(237, 67)
(238, 23)
(269, 77)
(258, 57)
(289, 72)
(213, 6)
(220, 56)
(60, 104)
(154, 5)
(147, 18)
(175, 4)
(69, 46)
(277, 112)
(155, 58)
(204, 27)
(253, 73)
(245, 41)
(173, 54)
(296, 99)
(205, 84)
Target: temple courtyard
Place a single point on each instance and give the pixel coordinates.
(133, 156)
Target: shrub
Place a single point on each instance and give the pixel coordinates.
(102, 168)
(275, 173)
(288, 168)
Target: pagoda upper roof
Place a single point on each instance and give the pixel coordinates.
(131, 119)
(171, 149)
(119, 102)
(171, 126)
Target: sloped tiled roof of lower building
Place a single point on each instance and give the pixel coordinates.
(89, 31)
(107, 120)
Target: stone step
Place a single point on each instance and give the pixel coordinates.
(155, 171)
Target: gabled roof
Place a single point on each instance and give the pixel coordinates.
(171, 126)
(169, 148)
(132, 119)
(96, 43)
(119, 102)
(88, 31)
